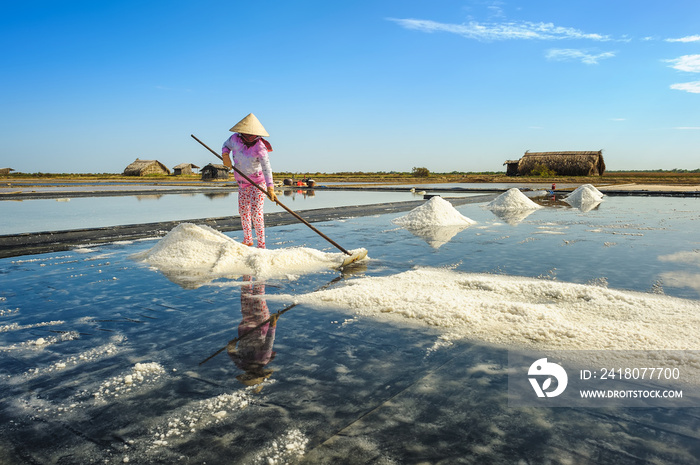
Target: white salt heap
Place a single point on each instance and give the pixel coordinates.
(591, 188)
(435, 212)
(436, 221)
(584, 195)
(192, 255)
(513, 200)
(524, 312)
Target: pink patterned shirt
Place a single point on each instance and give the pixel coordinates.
(253, 161)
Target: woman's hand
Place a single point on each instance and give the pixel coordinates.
(227, 160)
(271, 194)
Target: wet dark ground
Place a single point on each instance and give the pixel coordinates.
(341, 388)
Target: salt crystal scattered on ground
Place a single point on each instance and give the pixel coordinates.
(512, 199)
(87, 356)
(140, 374)
(42, 342)
(283, 450)
(193, 255)
(181, 423)
(17, 327)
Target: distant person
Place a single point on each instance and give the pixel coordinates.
(249, 151)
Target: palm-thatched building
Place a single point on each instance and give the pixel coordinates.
(5, 171)
(214, 171)
(145, 167)
(511, 167)
(586, 163)
(184, 168)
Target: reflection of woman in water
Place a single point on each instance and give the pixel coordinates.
(254, 350)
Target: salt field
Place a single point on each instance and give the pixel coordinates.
(120, 353)
(93, 212)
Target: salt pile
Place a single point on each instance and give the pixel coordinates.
(436, 221)
(584, 196)
(435, 212)
(512, 200)
(192, 255)
(591, 188)
(521, 312)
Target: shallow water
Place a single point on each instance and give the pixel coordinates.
(344, 388)
(95, 212)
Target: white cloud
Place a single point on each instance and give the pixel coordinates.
(618, 119)
(681, 279)
(682, 257)
(688, 128)
(689, 63)
(692, 87)
(685, 39)
(496, 10)
(500, 31)
(570, 54)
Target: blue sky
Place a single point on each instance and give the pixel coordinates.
(88, 86)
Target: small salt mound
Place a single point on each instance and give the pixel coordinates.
(513, 200)
(436, 222)
(435, 212)
(192, 255)
(584, 194)
(590, 187)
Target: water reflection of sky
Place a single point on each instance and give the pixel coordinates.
(339, 388)
(92, 212)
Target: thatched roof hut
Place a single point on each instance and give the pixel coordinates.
(586, 163)
(511, 167)
(5, 171)
(214, 171)
(145, 167)
(184, 168)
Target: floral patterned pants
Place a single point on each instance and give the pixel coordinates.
(250, 207)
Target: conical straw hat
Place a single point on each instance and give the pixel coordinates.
(250, 125)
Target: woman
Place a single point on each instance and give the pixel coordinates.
(253, 350)
(249, 152)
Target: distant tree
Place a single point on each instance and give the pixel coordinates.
(420, 172)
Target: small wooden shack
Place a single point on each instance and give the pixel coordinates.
(214, 171)
(584, 163)
(5, 171)
(511, 167)
(145, 167)
(184, 168)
